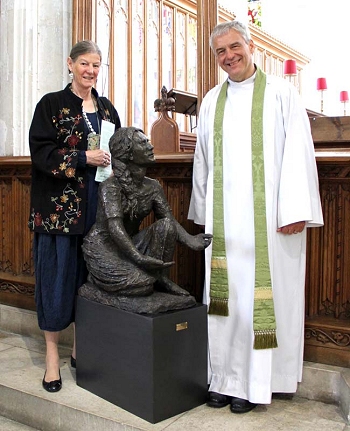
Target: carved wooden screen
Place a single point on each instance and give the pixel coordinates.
(16, 263)
(145, 45)
(327, 308)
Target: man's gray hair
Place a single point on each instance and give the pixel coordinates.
(225, 27)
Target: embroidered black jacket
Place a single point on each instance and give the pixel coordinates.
(56, 137)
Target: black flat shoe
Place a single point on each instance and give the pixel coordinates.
(73, 362)
(217, 400)
(238, 405)
(53, 386)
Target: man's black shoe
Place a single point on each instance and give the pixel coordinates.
(238, 405)
(217, 400)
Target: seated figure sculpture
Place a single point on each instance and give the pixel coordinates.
(128, 267)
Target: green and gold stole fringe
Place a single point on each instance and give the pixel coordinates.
(264, 323)
(218, 279)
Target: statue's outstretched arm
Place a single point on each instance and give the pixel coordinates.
(162, 210)
(195, 242)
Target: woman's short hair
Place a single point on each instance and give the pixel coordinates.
(84, 47)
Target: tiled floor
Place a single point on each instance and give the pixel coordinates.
(22, 365)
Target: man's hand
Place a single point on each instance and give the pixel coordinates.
(292, 228)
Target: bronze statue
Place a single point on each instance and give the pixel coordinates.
(128, 267)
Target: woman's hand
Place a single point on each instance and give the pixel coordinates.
(97, 158)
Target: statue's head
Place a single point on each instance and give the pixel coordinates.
(131, 145)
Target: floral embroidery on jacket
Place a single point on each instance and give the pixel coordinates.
(66, 126)
(66, 212)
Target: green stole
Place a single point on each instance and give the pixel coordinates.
(264, 323)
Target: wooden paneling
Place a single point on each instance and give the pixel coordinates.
(330, 133)
(175, 174)
(16, 265)
(327, 327)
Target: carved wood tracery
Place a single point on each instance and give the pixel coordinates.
(327, 325)
(16, 265)
(324, 337)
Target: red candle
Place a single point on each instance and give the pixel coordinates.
(344, 96)
(321, 84)
(290, 67)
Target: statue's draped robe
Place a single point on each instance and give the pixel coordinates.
(107, 264)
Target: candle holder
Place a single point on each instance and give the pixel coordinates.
(321, 86)
(344, 98)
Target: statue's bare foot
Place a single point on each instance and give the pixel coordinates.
(166, 285)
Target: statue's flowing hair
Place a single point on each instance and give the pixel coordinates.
(121, 148)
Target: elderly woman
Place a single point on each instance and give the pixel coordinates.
(121, 258)
(64, 145)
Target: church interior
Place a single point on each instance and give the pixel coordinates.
(157, 67)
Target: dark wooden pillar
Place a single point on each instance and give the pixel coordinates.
(207, 71)
(82, 20)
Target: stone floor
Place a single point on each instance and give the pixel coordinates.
(22, 400)
(10, 425)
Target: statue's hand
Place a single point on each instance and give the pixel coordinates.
(200, 241)
(149, 262)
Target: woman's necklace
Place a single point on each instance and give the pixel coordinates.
(93, 138)
(88, 123)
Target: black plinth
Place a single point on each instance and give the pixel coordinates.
(152, 366)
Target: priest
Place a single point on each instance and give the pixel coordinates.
(255, 188)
